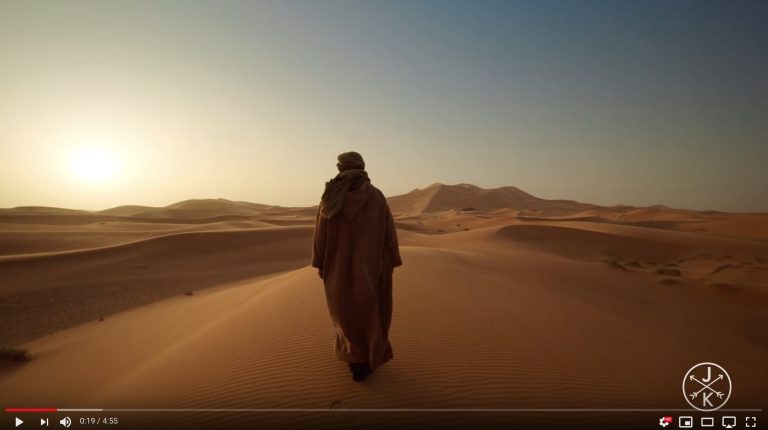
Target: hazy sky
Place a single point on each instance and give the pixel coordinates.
(105, 103)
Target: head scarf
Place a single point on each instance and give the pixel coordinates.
(337, 188)
(350, 160)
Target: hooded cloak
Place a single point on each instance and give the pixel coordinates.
(355, 246)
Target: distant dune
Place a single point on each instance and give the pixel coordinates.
(504, 300)
(440, 197)
(195, 208)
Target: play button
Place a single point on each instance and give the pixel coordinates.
(19, 422)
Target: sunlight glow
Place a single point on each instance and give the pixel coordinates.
(94, 164)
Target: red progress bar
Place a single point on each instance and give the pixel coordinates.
(31, 410)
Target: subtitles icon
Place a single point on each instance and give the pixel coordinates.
(665, 421)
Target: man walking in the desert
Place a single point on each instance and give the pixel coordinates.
(355, 252)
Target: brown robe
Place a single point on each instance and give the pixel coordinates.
(357, 250)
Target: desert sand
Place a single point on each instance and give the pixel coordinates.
(504, 300)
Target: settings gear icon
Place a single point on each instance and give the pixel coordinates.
(664, 421)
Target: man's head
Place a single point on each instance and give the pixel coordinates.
(350, 160)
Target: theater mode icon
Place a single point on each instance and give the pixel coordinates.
(707, 386)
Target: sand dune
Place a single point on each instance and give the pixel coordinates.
(478, 323)
(41, 293)
(749, 226)
(586, 240)
(194, 208)
(494, 308)
(195, 211)
(28, 241)
(441, 197)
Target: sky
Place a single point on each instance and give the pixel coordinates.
(105, 103)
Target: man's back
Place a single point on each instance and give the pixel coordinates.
(355, 250)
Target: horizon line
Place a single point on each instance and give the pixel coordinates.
(615, 205)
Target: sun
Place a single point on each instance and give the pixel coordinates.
(94, 164)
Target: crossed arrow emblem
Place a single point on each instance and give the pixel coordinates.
(704, 386)
(701, 392)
